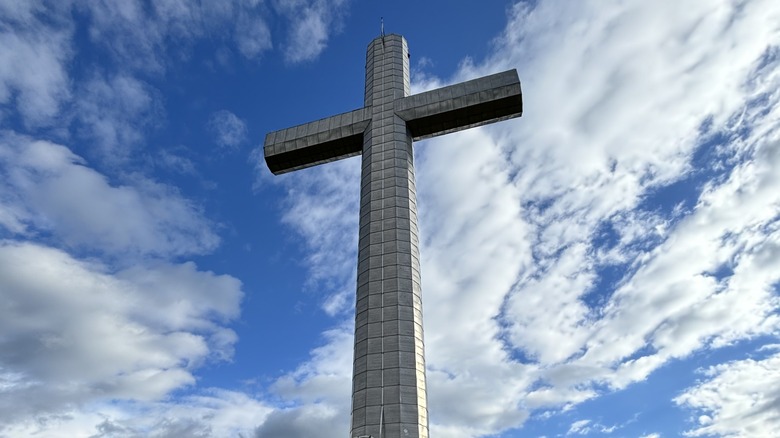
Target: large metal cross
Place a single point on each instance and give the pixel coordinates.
(388, 384)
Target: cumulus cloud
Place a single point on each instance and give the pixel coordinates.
(49, 190)
(304, 422)
(738, 398)
(77, 332)
(229, 130)
(90, 347)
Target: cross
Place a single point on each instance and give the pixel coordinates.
(388, 384)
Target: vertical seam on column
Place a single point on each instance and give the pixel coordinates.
(382, 282)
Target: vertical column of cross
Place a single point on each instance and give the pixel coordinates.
(389, 389)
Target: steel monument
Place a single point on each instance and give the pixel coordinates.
(388, 384)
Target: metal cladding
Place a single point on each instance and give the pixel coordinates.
(462, 106)
(388, 386)
(388, 391)
(317, 142)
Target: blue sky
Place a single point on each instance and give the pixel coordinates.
(606, 265)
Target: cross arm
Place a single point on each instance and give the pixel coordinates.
(320, 141)
(461, 106)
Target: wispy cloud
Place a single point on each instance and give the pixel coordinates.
(174, 160)
(579, 427)
(323, 207)
(140, 36)
(587, 427)
(116, 113)
(33, 64)
(311, 24)
(252, 35)
(229, 130)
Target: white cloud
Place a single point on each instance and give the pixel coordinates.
(48, 189)
(262, 175)
(33, 58)
(467, 267)
(211, 413)
(19, 11)
(139, 37)
(674, 304)
(229, 130)
(318, 390)
(599, 139)
(583, 156)
(116, 112)
(328, 371)
(252, 36)
(579, 427)
(304, 422)
(311, 24)
(323, 207)
(175, 160)
(90, 348)
(132, 36)
(587, 427)
(736, 399)
(78, 333)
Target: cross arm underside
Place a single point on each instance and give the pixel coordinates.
(461, 106)
(317, 142)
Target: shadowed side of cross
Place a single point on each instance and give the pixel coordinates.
(388, 385)
(442, 111)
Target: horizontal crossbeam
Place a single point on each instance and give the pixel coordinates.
(317, 142)
(461, 106)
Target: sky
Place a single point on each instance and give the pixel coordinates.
(606, 265)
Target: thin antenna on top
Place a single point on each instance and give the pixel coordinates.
(382, 20)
